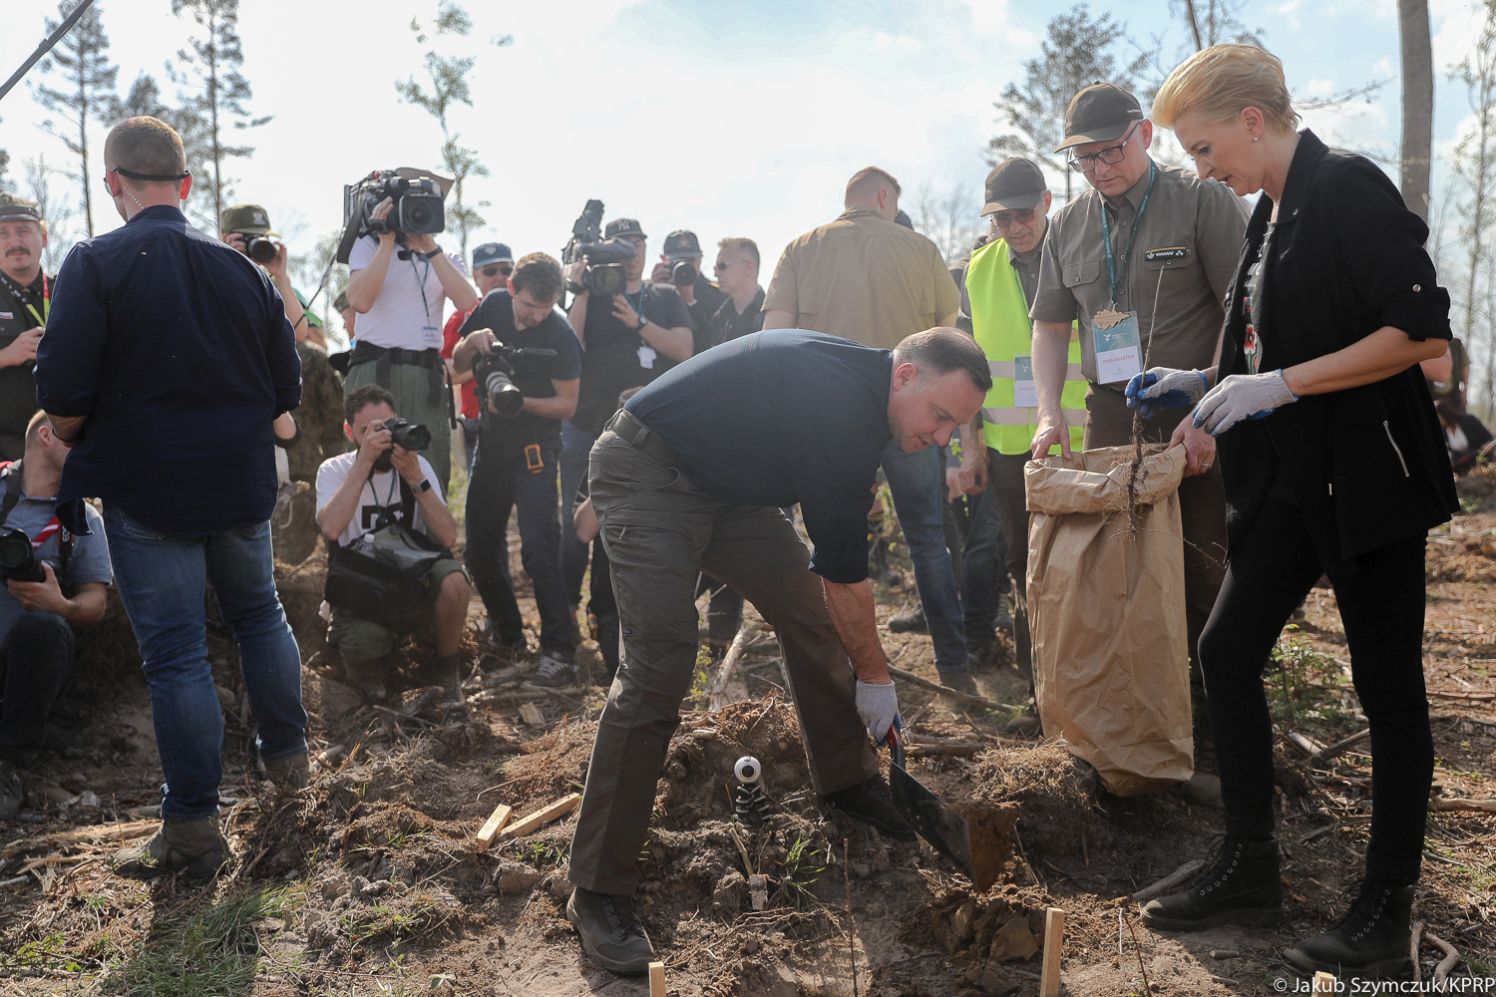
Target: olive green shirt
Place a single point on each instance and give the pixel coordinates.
(1182, 263)
(863, 278)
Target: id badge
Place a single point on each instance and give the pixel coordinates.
(647, 356)
(1119, 353)
(1024, 394)
(431, 336)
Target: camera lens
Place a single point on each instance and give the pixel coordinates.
(417, 216)
(683, 274)
(261, 249)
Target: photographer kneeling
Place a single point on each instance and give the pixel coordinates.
(54, 581)
(391, 535)
(527, 365)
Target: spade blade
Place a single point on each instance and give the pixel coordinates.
(946, 830)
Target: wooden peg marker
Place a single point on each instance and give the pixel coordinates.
(1324, 983)
(1054, 940)
(657, 979)
(493, 826)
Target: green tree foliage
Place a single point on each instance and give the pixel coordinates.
(79, 86)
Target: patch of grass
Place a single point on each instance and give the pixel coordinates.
(540, 854)
(398, 919)
(49, 952)
(803, 866)
(211, 951)
(1306, 689)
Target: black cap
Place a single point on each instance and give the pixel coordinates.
(682, 242)
(1015, 184)
(12, 207)
(1102, 112)
(491, 252)
(623, 226)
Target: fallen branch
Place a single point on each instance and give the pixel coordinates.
(947, 691)
(95, 832)
(1449, 962)
(1341, 746)
(1173, 879)
(941, 746)
(1310, 747)
(1459, 803)
(1413, 947)
(717, 691)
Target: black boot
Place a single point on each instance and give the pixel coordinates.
(1239, 886)
(870, 802)
(612, 934)
(1371, 939)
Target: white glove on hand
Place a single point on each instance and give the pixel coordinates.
(1159, 388)
(877, 705)
(1242, 396)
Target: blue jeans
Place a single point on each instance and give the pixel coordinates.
(917, 483)
(162, 580)
(576, 444)
(984, 567)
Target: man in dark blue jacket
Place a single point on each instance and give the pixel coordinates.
(168, 355)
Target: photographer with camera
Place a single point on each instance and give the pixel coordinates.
(526, 362)
(492, 265)
(680, 267)
(384, 493)
(629, 337)
(399, 280)
(54, 581)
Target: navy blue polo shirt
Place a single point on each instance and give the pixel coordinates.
(779, 418)
(177, 349)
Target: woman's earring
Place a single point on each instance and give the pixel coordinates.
(1256, 137)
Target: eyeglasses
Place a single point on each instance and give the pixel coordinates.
(723, 265)
(494, 271)
(1007, 219)
(1111, 155)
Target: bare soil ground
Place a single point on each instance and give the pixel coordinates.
(370, 880)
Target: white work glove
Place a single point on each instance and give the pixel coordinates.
(877, 705)
(1159, 388)
(1242, 396)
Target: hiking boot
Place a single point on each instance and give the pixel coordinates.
(612, 934)
(507, 649)
(289, 772)
(869, 801)
(1026, 725)
(1371, 939)
(1239, 886)
(1004, 619)
(12, 790)
(981, 655)
(961, 682)
(912, 622)
(1203, 789)
(192, 847)
(555, 671)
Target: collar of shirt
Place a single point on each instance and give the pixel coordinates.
(1134, 194)
(31, 292)
(859, 214)
(158, 213)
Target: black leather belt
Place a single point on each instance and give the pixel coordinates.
(643, 439)
(364, 352)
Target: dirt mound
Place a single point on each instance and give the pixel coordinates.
(1477, 489)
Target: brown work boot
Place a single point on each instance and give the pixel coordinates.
(1026, 724)
(289, 772)
(192, 847)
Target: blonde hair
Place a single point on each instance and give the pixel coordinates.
(1222, 80)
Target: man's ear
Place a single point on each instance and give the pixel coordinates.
(348, 432)
(185, 189)
(509, 285)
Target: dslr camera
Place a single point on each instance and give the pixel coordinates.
(495, 372)
(259, 248)
(682, 273)
(17, 558)
(404, 434)
(418, 204)
(604, 273)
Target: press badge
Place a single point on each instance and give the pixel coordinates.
(1024, 395)
(646, 356)
(1119, 355)
(431, 336)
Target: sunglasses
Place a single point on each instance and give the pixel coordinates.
(1007, 219)
(721, 265)
(494, 271)
(1111, 155)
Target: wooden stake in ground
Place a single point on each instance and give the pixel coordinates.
(546, 814)
(1324, 983)
(1054, 940)
(493, 825)
(657, 979)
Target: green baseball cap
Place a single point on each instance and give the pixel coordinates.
(249, 218)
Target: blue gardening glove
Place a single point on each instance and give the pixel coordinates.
(1159, 388)
(1242, 396)
(878, 706)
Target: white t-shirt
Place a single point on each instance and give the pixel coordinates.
(399, 318)
(381, 492)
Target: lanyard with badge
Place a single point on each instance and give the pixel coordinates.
(1119, 353)
(431, 336)
(19, 293)
(646, 352)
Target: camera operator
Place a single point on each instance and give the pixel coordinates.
(397, 283)
(517, 455)
(680, 267)
(627, 341)
(25, 297)
(492, 265)
(360, 492)
(37, 617)
(319, 417)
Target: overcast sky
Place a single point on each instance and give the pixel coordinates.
(727, 118)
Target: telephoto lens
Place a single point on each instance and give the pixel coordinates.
(17, 559)
(261, 249)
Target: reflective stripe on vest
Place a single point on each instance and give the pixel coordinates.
(1000, 322)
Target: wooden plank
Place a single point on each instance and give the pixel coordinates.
(1324, 983)
(657, 979)
(1054, 941)
(551, 811)
(494, 825)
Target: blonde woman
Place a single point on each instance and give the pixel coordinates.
(1333, 464)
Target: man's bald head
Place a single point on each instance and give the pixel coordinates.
(147, 146)
(873, 189)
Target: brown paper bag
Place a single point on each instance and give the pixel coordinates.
(1106, 614)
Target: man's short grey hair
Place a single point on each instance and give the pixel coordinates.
(943, 349)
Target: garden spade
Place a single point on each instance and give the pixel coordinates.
(977, 848)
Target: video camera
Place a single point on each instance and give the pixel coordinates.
(604, 273)
(17, 557)
(495, 371)
(417, 207)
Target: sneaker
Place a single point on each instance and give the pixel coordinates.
(1239, 886)
(194, 848)
(961, 682)
(12, 790)
(869, 801)
(1004, 619)
(1371, 939)
(612, 934)
(1026, 725)
(912, 622)
(555, 671)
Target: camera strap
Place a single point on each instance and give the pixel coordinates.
(10, 473)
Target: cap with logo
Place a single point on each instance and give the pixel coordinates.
(490, 253)
(1015, 184)
(14, 208)
(681, 243)
(249, 218)
(623, 226)
(1102, 112)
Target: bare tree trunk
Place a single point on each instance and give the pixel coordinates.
(1194, 21)
(1417, 103)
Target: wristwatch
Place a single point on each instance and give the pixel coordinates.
(424, 486)
(642, 323)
